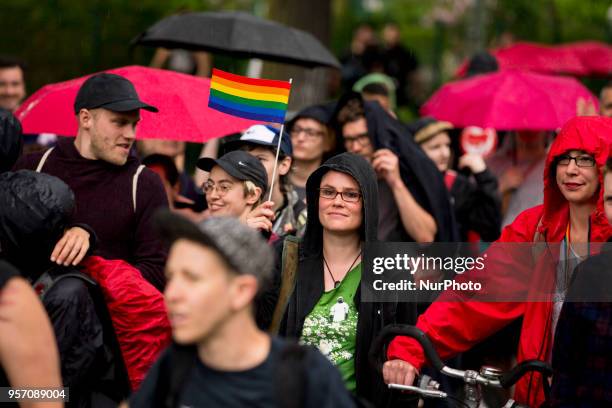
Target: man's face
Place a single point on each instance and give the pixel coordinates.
(605, 103)
(608, 196)
(171, 148)
(198, 292)
(112, 134)
(308, 139)
(357, 140)
(12, 88)
(438, 150)
(266, 157)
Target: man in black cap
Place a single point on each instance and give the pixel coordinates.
(115, 194)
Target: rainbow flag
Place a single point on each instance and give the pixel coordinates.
(257, 99)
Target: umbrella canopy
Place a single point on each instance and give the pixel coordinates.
(238, 34)
(586, 58)
(508, 100)
(182, 101)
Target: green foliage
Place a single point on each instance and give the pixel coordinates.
(63, 39)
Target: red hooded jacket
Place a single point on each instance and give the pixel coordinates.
(455, 326)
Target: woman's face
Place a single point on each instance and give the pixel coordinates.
(577, 177)
(337, 214)
(438, 150)
(225, 194)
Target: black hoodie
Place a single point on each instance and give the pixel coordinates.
(309, 282)
(11, 140)
(418, 172)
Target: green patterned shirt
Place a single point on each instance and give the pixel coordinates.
(331, 326)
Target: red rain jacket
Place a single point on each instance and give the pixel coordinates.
(137, 311)
(455, 326)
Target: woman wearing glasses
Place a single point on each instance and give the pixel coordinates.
(571, 217)
(236, 185)
(325, 308)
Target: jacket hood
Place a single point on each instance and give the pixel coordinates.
(358, 168)
(34, 210)
(11, 140)
(592, 134)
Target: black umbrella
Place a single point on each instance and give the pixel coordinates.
(239, 34)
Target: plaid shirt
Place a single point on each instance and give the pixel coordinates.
(582, 352)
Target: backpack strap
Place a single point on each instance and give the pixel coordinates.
(43, 159)
(135, 183)
(289, 263)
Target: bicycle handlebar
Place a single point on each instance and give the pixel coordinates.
(509, 378)
(391, 331)
(505, 380)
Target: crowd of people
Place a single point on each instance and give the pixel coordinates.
(130, 281)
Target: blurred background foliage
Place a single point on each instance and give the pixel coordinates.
(62, 39)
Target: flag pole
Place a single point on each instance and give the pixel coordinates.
(280, 139)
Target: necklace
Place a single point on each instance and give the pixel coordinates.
(337, 282)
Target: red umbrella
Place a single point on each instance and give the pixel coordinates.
(508, 100)
(586, 58)
(182, 101)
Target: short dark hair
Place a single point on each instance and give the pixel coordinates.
(375, 88)
(9, 61)
(352, 111)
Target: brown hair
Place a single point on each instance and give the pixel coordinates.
(352, 111)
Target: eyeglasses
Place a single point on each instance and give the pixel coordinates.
(222, 188)
(309, 132)
(581, 161)
(331, 194)
(361, 139)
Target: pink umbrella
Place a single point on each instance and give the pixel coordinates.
(595, 56)
(508, 100)
(182, 101)
(586, 58)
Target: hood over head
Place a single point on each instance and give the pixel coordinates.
(419, 173)
(11, 140)
(593, 135)
(358, 168)
(34, 210)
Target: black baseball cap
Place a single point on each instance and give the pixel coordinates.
(238, 164)
(109, 91)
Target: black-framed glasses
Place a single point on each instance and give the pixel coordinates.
(331, 194)
(309, 132)
(360, 138)
(581, 161)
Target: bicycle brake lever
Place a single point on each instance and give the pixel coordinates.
(421, 391)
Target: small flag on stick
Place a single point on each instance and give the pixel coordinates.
(250, 98)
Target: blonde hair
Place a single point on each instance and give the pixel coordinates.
(250, 190)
